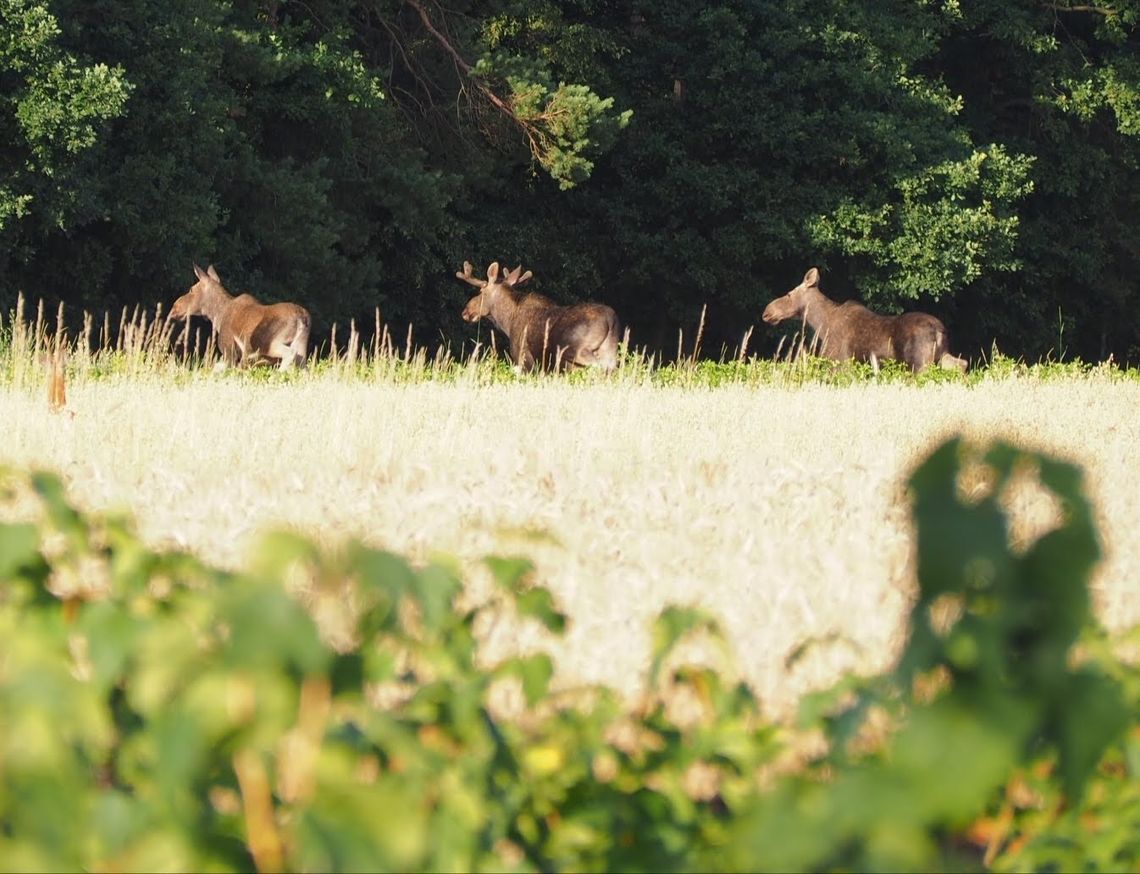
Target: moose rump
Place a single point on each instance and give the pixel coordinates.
(248, 331)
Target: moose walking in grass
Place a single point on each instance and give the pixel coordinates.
(541, 333)
(850, 330)
(248, 331)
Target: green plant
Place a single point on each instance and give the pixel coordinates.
(190, 718)
(331, 710)
(991, 681)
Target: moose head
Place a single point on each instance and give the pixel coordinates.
(492, 290)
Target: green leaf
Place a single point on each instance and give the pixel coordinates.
(268, 629)
(436, 588)
(383, 579)
(355, 826)
(111, 637)
(66, 518)
(277, 552)
(963, 752)
(960, 547)
(671, 626)
(538, 603)
(510, 573)
(534, 671)
(19, 548)
(1091, 716)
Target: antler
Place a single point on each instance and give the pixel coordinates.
(468, 277)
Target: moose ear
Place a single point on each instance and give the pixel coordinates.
(199, 272)
(212, 273)
(811, 277)
(493, 272)
(517, 277)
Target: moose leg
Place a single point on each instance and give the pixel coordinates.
(607, 355)
(298, 346)
(604, 357)
(283, 351)
(952, 362)
(249, 358)
(231, 354)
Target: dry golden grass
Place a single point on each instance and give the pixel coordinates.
(781, 510)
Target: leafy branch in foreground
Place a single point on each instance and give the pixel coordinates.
(991, 683)
(330, 709)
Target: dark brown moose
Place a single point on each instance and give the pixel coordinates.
(248, 331)
(850, 330)
(540, 332)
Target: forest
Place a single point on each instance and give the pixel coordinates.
(975, 159)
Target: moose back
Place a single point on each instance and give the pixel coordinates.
(850, 330)
(542, 334)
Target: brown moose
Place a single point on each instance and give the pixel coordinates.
(248, 331)
(850, 330)
(540, 332)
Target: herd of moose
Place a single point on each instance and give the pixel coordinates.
(544, 335)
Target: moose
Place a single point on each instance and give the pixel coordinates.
(850, 330)
(249, 332)
(541, 333)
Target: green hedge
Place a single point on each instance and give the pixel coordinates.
(157, 713)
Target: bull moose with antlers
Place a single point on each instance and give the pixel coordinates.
(850, 330)
(248, 331)
(541, 333)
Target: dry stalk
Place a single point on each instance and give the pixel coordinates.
(744, 345)
(257, 802)
(700, 335)
(57, 385)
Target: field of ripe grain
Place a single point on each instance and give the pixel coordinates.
(780, 509)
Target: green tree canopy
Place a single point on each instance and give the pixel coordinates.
(973, 160)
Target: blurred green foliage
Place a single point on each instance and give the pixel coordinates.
(330, 710)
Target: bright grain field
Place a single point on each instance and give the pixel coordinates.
(781, 510)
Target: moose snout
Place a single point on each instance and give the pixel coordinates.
(770, 314)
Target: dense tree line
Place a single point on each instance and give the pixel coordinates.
(974, 158)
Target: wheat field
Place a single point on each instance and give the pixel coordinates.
(782, 510)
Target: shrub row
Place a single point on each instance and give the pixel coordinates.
(329, 710)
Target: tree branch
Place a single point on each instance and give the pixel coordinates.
(440, 38)
(1106, 11)
(530, 131)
